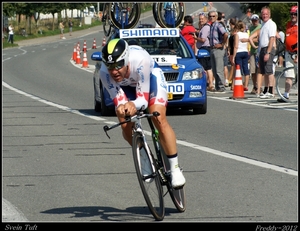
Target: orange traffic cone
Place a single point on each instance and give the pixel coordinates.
(238, 90)
(84, 46)
(94, 44)
(78, 47)
(78, 61)
(74, 54)
(103, 41)
(84, 60)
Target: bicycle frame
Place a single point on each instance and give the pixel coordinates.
(138, 128)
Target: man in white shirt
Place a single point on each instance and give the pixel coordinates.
(267, 38)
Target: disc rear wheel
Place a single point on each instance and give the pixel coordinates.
(178, 194)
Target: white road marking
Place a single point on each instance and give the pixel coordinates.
(190, 145)
(262, 103)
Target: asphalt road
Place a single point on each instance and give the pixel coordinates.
(240, 159)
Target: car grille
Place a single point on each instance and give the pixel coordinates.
(171, 76)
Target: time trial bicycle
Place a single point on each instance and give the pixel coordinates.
(155, 164)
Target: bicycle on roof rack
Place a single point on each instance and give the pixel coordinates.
(120, 15)
(106, 22)
(168, 14)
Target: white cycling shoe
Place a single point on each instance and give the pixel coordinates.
(146, 166)
(178, 179)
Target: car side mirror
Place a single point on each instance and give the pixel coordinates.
(97, 56)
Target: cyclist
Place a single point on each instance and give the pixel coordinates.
(132, 79)
(291, 41)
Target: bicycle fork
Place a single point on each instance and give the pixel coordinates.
(147, 149)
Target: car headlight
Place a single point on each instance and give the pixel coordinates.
(192, 75)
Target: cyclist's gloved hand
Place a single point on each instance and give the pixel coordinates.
(127, 109)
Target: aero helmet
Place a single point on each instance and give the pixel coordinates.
(115, 54)
(294, 9)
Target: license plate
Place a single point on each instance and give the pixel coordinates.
(170, 96)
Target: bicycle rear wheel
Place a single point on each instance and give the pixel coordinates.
(125, 15)
(280, 83)
(178, 194)
(106, 19)
(172, 17)
(148, 178)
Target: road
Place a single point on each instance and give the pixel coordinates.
(240, 159)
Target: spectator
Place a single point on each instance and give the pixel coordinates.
(249, 14)
(188, 31)
(70, 27)
(281, 55)
(240, 52)
(218, 39)
(10, 34)
(267, 51)
(61, 27)
(202, 42)
(255, 73)
(291, 41)
(233, 31)
(221, 19)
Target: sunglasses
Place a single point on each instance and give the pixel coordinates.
(293, 14)
(115, 66)
(212, 16)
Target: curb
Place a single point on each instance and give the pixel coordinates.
(10, 213)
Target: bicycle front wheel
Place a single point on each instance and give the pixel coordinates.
(280, 83)
(148, 177)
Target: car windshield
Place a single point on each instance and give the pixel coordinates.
(167, 46)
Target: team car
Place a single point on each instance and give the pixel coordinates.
(186, 78)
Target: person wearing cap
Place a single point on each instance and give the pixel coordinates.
(291, 57)
(255, 73)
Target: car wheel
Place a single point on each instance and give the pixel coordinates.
(200, 110)
(97, 106)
